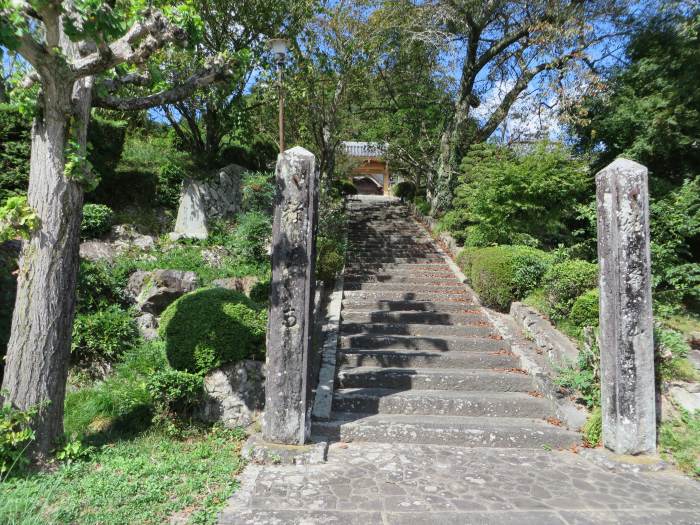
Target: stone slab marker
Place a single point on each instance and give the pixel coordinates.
(286, 418)
(626, 323)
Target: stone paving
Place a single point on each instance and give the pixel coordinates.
(397, 484)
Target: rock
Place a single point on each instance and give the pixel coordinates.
(154, 291)
(204, 201)
(144, 242)
(98, 251)
(148, 325)
(239, 284)
(234, 394)
(684, 399)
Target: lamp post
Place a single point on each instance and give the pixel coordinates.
(279, 47)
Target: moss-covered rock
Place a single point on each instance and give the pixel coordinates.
(211, 327)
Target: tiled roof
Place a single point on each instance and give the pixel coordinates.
(364, 149)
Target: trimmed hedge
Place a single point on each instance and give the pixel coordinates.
(567, 280)
(503, 274)
(210, 327)
(585, 311)
(97, 221)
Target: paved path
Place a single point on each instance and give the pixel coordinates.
(371, 483)
(443, 426)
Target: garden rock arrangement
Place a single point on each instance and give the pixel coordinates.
(419, 361)
(152, 292)
(204, 201)
(122, 239)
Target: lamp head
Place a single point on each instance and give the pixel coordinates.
(280, 47)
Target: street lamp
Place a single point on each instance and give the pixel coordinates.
(279, 47)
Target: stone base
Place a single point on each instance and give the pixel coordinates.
(256, 450)
(624, 463)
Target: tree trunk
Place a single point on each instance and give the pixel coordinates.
(38, 352)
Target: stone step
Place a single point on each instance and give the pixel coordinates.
(452, 286)
(414, 317)
(366, 295)
(388, 358)
(401, 268)
(381, 260)
(440, 403)
(500, 432)
(491, 380)
(373, 304)
(425, 330)
(446, 278)
(409, 342)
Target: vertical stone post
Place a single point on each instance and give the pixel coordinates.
(626, 323)
(286, 418)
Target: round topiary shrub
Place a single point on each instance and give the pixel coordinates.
(405, 190)
(585, 310)
(210, 327)
(502, 274)
(565, 281)
(97, 221)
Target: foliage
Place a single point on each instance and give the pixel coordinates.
(505, 197)
(97, 221)
(345, 187)
(15, 436)
(148, 478)
(260, 293)
(8, 288)
(565, 281)
(258, 192)
(584, 376)
(593, 428)
(585, 310)
(404, 190)
(100, 284)
(17, 219)
(422, 204)
(646, 111)
(680, 438)
(330, 240)
(74, 450)
(78, 167)
(251, 236)
(169, 179)
(14, 152)
(174, 392)
(102, 336)
(672, 349)
(210, 327)
(105, 145)
(502, 274)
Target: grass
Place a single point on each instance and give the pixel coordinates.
(147, 479)
(680, 440)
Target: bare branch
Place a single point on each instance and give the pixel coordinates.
(130, 79)
(218, 71)
(144, 38)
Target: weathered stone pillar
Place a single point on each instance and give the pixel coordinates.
(626, 322)
(286, 418)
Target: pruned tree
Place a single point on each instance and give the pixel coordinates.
(513, 47)
(71, 46)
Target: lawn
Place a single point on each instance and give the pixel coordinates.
(150, 478)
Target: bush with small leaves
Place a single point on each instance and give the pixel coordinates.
(404, 190)
(251, 237)
(565, 281)
(97, 221)
(174, 392)
(103, 336)
(585, 311)
(210, 327)
(100, 285)
(15, 436)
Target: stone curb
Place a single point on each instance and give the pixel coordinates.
(558, 347)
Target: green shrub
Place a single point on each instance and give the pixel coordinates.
(565, 281)
(502, 274)
(672, 349)
(464, 260)
(330, 259)
(103, 336)
(211, 327)
(15, 144)
(593, 428)
(584, 376)
(404, 190)
(422, 205)
(260, 293)
(100, 284)
(169, 182)
(15, 435)
(330, 241)
(527, 197)
(585, 310)
(8, 290)
(106, 144)
(97, 221)
(345, 187)
(251, 237)
(258, 192)
(174, 392)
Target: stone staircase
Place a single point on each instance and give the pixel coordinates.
(418, 361)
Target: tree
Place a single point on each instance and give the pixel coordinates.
(68, 45)
(509, 47)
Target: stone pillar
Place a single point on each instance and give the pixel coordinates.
(286, 419)
(628, 395)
